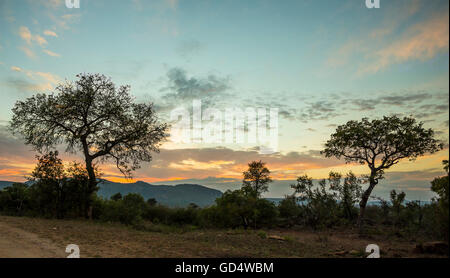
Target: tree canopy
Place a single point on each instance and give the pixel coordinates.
(94, 116)
(380, 143)
(256, 178)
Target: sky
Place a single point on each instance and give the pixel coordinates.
(320, 63)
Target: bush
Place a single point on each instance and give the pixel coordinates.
(15, 200)
(237, 209)
(128, 211)
(320, 207)
(289, 210)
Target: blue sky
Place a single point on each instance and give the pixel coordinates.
(321, 63)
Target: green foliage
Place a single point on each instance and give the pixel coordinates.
(116, 197)
(289, 210)
(152, 202)
(348, 193)
(380, 143)
(440, 186)
(397, 200)
(262, 234)
(256, 179)
(238, 209)
(129, 210)
(319, 207)
(15, 199)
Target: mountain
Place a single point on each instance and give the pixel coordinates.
(4, 184)
(180, 195)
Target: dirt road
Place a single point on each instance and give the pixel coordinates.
(17, 243)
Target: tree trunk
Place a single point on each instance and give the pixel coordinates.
(92, 183)
(365, 198)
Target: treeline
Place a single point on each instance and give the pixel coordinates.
(62, 192)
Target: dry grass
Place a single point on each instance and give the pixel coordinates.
(114, 240)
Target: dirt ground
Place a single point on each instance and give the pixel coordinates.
(18, 243)
(30, 237)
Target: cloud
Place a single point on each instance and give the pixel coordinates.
(181, 89)
(26, 35)
(401, 100)
(394, 40)
(14, 68)
(29, 38)
(422, 42)
(185, 88)
(50, 33)
(40, 40)
(51, 53)
(63, 21)
(319, 110)
(28, 51)
(188, 48)
(53, 4)
(173, 4)
(227, 163)
(36, 81)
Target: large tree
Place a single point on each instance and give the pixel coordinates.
(95, 117)
(380, 144)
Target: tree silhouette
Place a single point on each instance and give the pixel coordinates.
(256, 179)
(380, 144)
(91, 115)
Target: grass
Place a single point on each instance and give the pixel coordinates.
(97, 239)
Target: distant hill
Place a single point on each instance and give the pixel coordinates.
(180, 195)
(4, 184)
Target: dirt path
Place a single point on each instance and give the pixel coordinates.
(17, 243)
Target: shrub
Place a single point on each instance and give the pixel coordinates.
(237, 209)
(289, 210)
(128, 210)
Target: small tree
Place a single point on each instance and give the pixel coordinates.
(440, 186)
(319, 205)
(348, 192)
(14, 199)
(380, 144)
(256, 179)
(91, 115)
(397, 200)
(116, 197)
(152, 202)
(50, 179)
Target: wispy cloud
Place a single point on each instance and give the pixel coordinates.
(422, 41)
(188, 48)
(51, 53)
(50, 33)
(390, 43)
(28, 51)
(26, 35)
(36, 80)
